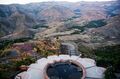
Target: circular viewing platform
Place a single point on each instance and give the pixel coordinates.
(63, 67)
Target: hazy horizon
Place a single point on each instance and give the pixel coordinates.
(31, 1)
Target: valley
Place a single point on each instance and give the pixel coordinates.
(29, 32)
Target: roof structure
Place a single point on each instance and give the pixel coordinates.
(38, 70)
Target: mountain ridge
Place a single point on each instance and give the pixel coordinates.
(18, 17)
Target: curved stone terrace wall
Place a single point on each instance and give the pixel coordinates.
(38, 69)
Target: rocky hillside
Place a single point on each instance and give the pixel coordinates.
(111, 30)
(24, 20)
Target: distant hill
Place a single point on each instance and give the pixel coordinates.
(111, 30)
(21, 19)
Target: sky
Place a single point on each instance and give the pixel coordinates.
(30, 1)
